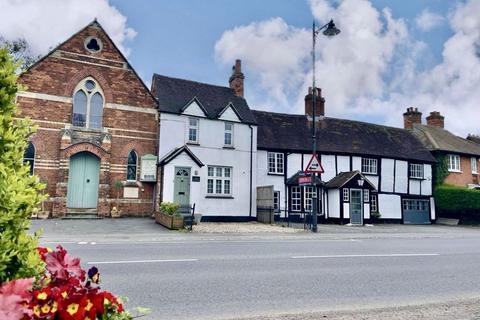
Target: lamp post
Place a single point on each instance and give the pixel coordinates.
(329, 30)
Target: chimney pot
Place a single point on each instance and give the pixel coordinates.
(320, 103)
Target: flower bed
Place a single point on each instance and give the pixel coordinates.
(65, 291)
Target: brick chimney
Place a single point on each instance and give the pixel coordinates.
(236, 79)
(435, 119)
(320, 104)
(410, 117)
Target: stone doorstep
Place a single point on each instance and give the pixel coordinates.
(447, 222)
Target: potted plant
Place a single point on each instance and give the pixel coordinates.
(169, 216)
(115, 212)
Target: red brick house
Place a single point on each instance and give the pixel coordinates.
(461, 155)
(97, 124)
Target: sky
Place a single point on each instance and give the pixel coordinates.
(390, 55)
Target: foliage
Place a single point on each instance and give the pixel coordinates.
(19, 192)
(20, 52)
(456, 202)
(375, 215)
(441, 170)
(65, 291)
(169, 208)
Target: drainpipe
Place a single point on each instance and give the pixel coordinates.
(251, 170)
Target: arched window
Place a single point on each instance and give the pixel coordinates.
(88, 105)
(132, 166)
(29, 157)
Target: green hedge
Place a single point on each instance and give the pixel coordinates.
(458, 202)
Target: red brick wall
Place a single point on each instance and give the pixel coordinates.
(464, 177)
(49, 90)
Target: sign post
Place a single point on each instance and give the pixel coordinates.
(314, 166)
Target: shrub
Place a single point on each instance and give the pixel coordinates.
(19, 192)
(457, 202)
(169, 208)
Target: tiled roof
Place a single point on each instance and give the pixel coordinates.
(293, 133)
(439, 139)
(344, 177)
(174, 94)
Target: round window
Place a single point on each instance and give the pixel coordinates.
(90, 85)
(93, 44)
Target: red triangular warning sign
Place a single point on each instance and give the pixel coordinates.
(314, 165)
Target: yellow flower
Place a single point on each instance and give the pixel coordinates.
(42, 296)
(72, 308)
(45, 308)
(36, 310)
(54, 307)
(64, 294)
(89, 305)
(106, 301)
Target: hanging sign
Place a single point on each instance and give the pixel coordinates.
(305, 180)
(314, 165)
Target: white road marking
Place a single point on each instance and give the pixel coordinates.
(82, 242)
(142, 261)
(369, 255)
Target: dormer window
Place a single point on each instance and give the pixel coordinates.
(88, 105)
(93, 44)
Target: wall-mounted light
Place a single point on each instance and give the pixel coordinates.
(360, 182)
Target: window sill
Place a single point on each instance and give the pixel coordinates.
(370, 173)
(193, 143)
(455, 171)
(218, 197)
(275, 174)
(416, 178)
(475, 173)
(228, 147)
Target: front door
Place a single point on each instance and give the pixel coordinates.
(356, 214)
(83, 181)
(181, 188)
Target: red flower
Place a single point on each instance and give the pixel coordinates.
(14, 298)
(63, 266)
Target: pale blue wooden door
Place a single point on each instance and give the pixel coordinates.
(181, 189)
(356, 206)
(83, 181)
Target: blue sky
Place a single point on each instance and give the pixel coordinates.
(389, 56)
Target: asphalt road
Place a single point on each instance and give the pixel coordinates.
(215, 278)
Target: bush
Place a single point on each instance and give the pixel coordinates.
(169, 208)
(458, 203)
(19, 192)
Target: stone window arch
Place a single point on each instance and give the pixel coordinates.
(88, 104)
(132, 165)
(29, 157)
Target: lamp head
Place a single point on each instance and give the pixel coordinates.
(331, 29)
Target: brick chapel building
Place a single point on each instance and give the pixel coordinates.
(97, 128)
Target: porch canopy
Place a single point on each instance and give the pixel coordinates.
(350, 179)
(293, 180)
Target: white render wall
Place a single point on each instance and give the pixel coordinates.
(211, 151)
(333, 203)
(389, 206)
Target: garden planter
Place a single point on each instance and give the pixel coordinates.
(172, 222)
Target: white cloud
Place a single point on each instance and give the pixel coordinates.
(44, 24)
(428, 20)
(373, 68)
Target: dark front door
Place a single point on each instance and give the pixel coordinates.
(356, 212)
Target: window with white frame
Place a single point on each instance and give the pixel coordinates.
(369, 165)
(88, 105)
(193, 130)
(296, 198)
(228, 135)
(346, 195)
(307, 199)
(416, 170)
(219, 181)
(373, 203)
(366, 195)
(453, 162)
(276, 201)
(275, 163)
(474, 165)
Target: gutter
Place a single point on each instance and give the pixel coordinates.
(251, 172)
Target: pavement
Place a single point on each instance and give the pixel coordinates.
(339, 273)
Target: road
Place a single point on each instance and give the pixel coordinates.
(215, 278)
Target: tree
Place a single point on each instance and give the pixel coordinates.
(19, 192)
(20, 52)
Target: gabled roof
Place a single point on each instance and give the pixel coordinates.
(189, 103)
(176, 152)
(344, 177)
(439, 139)
(288, 132)
(173, 94)
(94, 23)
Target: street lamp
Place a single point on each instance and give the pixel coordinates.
(329, 30)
